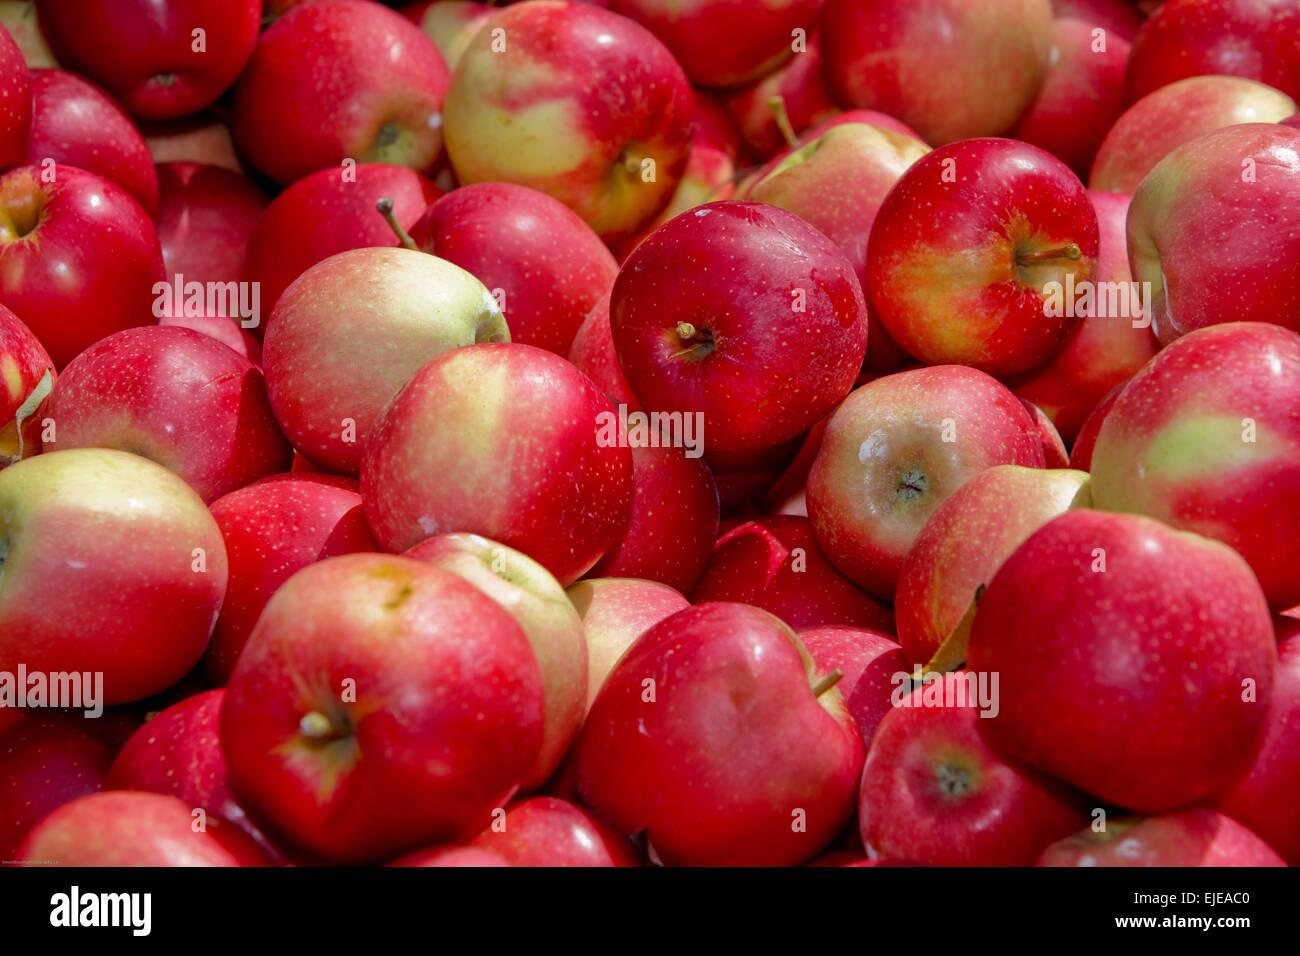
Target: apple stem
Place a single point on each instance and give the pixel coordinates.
(385, 207)
(1072, 251)
(777, 105)
(827, 682)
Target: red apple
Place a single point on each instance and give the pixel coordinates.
(15, 102)
(175, 396)
(1146, 696)
(224, 328)
(544, 264)
(26, 378)
(594, 354)
(546, 831)
(273, 528)
(574, 101)
(1207, 439)
(800, 89)
(206, 216)
(975, 252)
(691, 342)
(450, 24)
(1187, 838)
(1055, 454)
(340, 79)
(895, 450)
(503, 441)
(73, 597)
(869, 660)
(148, 54)
(952, 69)
(79, 258)
(719, 705)
(1086, 440)
(352, 330)
(380, 705)
(450, 856)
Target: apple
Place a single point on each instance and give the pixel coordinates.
(774, 563)
(964, 543)
(869, 660)
(1136, 662)
(177, 397)
(1081, 97)
(20, 19)
(206, 216)
(984, 276)
(1264, 798)
(79, 258)
(690, 341)
(547, 831)
(26, 377)
(505, 441)
(450, 24)
(16, 104)
(755, 761)
(615, 612)
(594, 354)
(1086, 440)
(1055, 454)
(1206, 438)
(352, 330)
(1256, 39)
(120, 828)
(73, 598)
(934, 791)
(539, 605)
(1172, 115)
(147, 54)
(1214, 225)
(450, 856)
(224, 328)
(790, 98)
(869, 117)
(197, 138)
(1110, 344)
(46, 760)
(1116, 17)
(895, 450)
(1196, 837)
(380, 705)
(523, 108)
(758, 34)
(340, 79)
(329, 212)
(545, 265)
(271, 529)
(952, 69)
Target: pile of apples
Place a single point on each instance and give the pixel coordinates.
(639, 432)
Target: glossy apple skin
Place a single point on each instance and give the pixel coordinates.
(352, 330)
(1256, 39)
(547, 831)
(446, 716)
(1196, 837)
(1086, 440)
(1081, 97)
(594, 354)
(868, 659)
(615, 612)
(1264, 798)
(800, 84)
(47, 759)
(548, 263)
(1173, 446)
(340, 79)
(535, 114)
(673, 522)
(175, 396)
(450, 24)
(774, 563)
(15, 102)
(499, 440)
(837, 183)
(130, 828)
(75, 123)
(758, 382)
(273, 528)
(934, 791)
(882, 55)
(23, 363)
(329, 212)
(758, 34)
(450, 856)
(1104, 351)
(206, 216)
(143, 52)
(82, 267)
(1211, 243)
(950, 286)
(1172, 115)
(884, 466)
(735, 738)
(1173, 723)
(964, 543)
(73, 599)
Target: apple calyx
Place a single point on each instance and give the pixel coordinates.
(385, 207)
(952, 652)
(1072, 252)
(315, 726)
(912, 485)
(777, 105)
(827, 682)
(699, 342)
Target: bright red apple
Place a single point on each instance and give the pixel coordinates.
(546, 831)
(798, 87)
(1186, 838)
(206, 216)
(15, 102)
(594, 354)
(870, 661)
